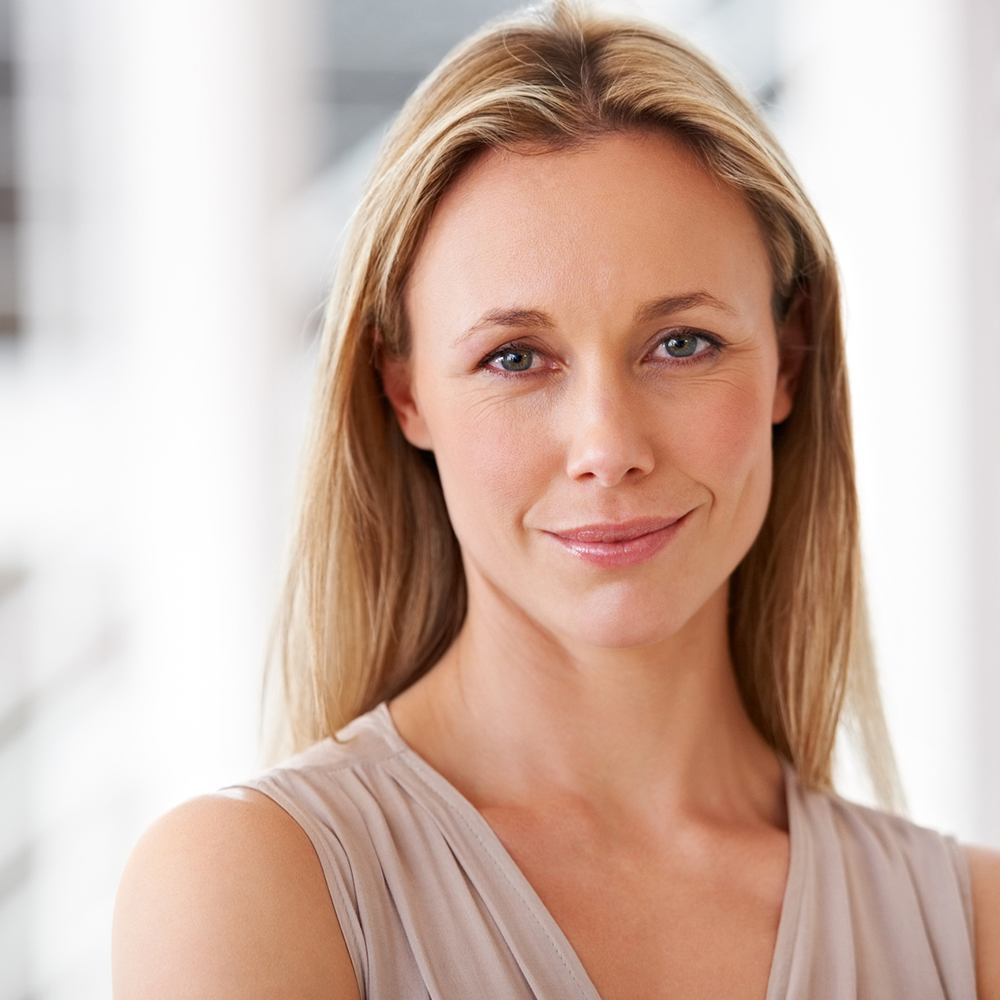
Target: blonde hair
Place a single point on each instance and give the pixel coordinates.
(376, 591)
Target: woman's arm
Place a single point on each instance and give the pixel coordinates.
(225, 898)
(984, 867)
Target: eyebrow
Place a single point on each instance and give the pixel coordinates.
(520, 319)
(661, 308)
(535, 319)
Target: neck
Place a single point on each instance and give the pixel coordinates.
(513, 712)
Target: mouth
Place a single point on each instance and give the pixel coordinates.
(621, 544)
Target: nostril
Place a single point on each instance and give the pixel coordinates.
(609, 444)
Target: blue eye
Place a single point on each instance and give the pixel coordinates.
(682, 345)
(516, 359)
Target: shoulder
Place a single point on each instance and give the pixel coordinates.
(940, 872)
(984, 872)
(225, 897)
(892, 857)
(906, 885)
(890, 848)
(890, 833)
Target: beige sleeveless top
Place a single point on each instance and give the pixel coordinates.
(432, 905)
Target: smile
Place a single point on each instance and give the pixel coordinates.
(615, 546)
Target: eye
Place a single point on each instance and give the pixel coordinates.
(516, 360)
(513, 359)
(685, 344)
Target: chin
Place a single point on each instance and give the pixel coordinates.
(617, 624)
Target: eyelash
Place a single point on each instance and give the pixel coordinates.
(714, 347)
(500, 352)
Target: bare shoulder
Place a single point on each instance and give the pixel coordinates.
(984, 869)
(225, 897)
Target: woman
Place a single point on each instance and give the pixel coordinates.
(578, 570)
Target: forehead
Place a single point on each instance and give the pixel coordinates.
(626, 217)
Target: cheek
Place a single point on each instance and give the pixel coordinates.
(727, 445)
(494, 460)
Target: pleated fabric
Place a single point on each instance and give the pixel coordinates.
(433, 906)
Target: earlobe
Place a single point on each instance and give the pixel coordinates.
(397, 384)
(793, 343)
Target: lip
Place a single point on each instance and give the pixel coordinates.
(615, 545)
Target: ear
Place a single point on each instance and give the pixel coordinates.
(397, 384)
(793, 342)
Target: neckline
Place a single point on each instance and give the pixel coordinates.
(491, 843)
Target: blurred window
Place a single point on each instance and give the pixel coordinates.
(15, 776)
(373, 53)
(10, 318)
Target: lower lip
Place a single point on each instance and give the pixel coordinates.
(618, 555)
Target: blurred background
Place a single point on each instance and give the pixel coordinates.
(174, 178)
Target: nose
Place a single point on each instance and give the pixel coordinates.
(609, 439)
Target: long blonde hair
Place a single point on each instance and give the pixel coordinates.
(376, 591)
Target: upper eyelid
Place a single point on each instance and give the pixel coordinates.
(513, 345)
(715, 342)
(669, 331)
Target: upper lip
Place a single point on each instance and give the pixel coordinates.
(616, 531)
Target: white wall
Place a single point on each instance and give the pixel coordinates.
(872, 120)
(140, 432)
(980, 259)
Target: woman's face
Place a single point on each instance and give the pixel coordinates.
(595, 367)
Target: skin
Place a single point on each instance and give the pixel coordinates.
(984, 870)
(588, 711)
